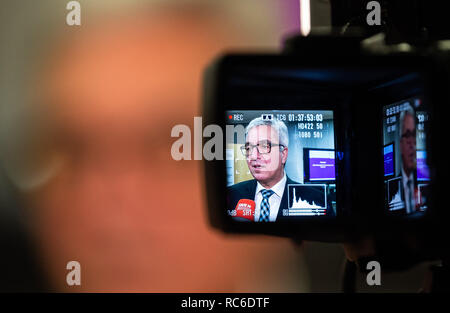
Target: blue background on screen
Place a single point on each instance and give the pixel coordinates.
(389, 160)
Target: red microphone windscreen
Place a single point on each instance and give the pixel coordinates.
(246, 209)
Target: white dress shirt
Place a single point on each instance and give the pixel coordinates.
(409, 205)
(274, 200)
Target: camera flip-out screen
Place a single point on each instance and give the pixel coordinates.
(406, 173)
(280, 165)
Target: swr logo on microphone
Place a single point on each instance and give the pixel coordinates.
(244, 209)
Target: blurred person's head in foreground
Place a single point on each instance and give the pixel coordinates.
(98, 181)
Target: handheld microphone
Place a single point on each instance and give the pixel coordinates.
(245, 209)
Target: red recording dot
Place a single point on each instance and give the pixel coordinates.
(230, 116)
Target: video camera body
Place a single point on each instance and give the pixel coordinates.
(366, 125)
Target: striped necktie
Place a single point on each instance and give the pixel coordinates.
(265, 206)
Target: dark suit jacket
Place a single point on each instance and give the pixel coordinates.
(247, 189)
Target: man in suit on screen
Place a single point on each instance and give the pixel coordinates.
(266, 152)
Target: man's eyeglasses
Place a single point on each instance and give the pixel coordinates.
(409, 134)
(262, 148)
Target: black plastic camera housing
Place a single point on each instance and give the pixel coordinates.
(336, 74)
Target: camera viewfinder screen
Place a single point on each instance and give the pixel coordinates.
(280, 165)
(406, 173)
